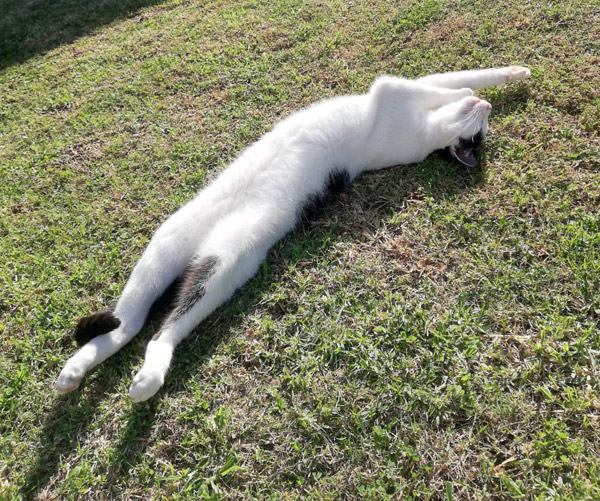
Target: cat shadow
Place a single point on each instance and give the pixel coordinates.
(356, 213)
(69, 419)
(508, 100)
(36, 26)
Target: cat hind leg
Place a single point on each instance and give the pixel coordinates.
(213, 275)
(103, 334)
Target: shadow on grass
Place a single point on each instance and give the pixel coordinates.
(508, 100)
(30, 27)
(372, 197)
(68, 421)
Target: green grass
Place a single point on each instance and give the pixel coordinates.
(434, 335)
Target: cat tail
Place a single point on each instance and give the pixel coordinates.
(104, 322)
(95, 325)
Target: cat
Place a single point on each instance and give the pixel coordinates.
(216, 242)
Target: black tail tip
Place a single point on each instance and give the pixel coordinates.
(95, 325)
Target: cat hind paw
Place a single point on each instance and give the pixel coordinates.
(145, 385)
(68, 380)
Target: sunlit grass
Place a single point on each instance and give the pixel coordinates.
(433, 334)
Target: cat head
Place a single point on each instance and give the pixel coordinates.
(469, 127)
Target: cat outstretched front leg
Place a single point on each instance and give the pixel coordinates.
(388, 91)
(476, 79)
(231, 256)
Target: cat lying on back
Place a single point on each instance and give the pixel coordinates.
(217, 241)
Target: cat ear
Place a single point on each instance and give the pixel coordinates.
(465, 156)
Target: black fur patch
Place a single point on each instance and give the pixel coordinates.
(192, 287)
(166, 301)
(95, 325)
(336, 182)
(472, 143)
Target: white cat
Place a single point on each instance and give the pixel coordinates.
(217, 241)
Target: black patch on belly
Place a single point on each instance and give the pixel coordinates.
(336, 181)
(192, 287)
(166, 301)
(95, 325)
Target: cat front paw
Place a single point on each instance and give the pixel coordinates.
(69, 379)
(516, 73)
(145, 384)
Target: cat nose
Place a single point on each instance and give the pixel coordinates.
(489, 106)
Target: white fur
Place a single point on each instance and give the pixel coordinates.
(255, 201)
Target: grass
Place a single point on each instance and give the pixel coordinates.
(434, 335)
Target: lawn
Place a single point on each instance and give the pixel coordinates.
(434, 334)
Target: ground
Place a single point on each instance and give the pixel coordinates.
(433, 335)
